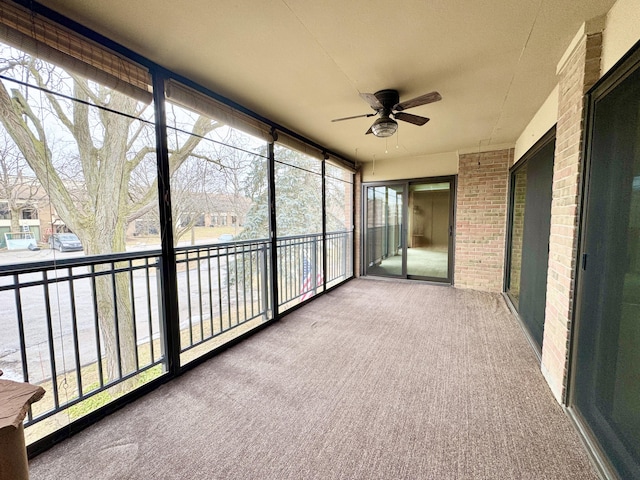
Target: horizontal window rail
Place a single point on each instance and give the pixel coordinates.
(82, 327)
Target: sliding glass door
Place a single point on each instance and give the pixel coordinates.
(529, 229)
(429, 226)
(409, 228)
(384, 251)
(606, 375)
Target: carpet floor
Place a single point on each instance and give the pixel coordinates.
(421, 261)
(374, 380)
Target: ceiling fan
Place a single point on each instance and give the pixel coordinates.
(386, 103)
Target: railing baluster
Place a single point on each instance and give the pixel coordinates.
(133, 314)
(243, 269)
(115, 318)
(228, 282)
(219, 290)
(96, 324)
(189, 311)
(236, 282)
(52, 355)
(209, 280)
(74, 323)
(200, 295)
(149, 316)
(251, 257)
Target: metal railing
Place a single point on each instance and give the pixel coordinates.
(56, 317)
(221, 287)
(89, 327)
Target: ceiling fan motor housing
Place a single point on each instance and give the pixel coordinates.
(388, 99)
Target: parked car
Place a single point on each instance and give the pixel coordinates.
(65, 242)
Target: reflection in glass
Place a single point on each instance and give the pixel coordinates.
(519, 193)
(384, 230)
(428, 239)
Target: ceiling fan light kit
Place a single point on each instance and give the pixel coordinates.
(386, 103)
(384, 127)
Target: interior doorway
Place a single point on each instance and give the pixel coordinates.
(409, 229)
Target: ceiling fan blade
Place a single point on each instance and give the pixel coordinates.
(407, 117)
(416, 102)
(355, 116)
(371, 99)
(369, 131)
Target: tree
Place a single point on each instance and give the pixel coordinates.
(102, 138)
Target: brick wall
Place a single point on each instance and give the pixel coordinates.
(580, 71)
(480, 219)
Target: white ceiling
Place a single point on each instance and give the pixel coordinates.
(302, 63)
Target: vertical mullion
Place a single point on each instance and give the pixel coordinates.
(20, 318)
(74, 323)
(324, 224)
(273, 232)
(169, 311)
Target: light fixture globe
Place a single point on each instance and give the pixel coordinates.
(384, 126)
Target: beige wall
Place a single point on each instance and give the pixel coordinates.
(545, 118)
(621, 32)
(429, 219)
(411, 167)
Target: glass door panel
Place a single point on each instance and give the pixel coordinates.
(384, 248)
(429, 225)
(607, 375)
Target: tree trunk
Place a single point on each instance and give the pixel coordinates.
(15, 218)
(115, 312)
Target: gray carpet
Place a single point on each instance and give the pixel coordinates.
(376, 380)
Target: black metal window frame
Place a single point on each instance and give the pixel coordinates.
(165, 260)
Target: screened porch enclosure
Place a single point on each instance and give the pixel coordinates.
(196, 223)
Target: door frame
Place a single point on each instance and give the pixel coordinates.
(406, 184)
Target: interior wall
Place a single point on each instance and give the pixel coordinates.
(429, 222)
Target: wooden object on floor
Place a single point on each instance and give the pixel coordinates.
(15, 399)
